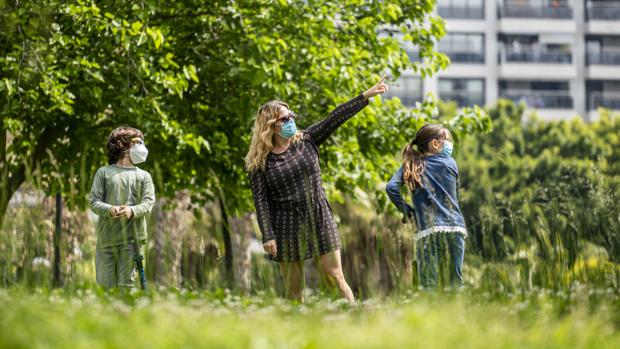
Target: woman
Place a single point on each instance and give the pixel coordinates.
(292, 210)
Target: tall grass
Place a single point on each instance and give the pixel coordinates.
(378, 252)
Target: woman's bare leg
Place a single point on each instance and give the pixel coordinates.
(331, 267)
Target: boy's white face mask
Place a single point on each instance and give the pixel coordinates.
(138, 153)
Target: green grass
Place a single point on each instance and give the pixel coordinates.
(89, 318)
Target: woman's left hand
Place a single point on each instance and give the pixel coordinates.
(380, 88)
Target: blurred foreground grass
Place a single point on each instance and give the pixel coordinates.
(89, 318)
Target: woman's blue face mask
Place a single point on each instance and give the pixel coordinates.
(289, 128)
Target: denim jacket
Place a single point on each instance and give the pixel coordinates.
(435, 205)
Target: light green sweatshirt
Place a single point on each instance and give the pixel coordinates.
(115, 186)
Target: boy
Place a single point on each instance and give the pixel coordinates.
(122, 195)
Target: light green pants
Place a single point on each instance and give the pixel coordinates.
(115, 266)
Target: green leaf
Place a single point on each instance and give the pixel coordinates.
(190, 72)
(136, 26)
(156, 36)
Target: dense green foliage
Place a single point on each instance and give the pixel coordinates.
(191, 74)
(536, 190)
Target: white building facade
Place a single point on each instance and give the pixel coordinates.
(559, 57)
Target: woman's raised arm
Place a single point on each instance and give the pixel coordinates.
(320, 131)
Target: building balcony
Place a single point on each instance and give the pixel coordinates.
(410, 99)
(603, 10)
(414, 55)
(512, 9)
(408, 90)
(466, 57)
(604, 100)
(529, 55)
(460, 12)
(540, 99)
(603, 58)
(463, 98)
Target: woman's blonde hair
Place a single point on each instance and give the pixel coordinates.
(262, 135)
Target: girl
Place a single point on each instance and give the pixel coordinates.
(431, 175)
(291, 207)
(122, 196)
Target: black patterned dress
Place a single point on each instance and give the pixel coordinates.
(290, 201)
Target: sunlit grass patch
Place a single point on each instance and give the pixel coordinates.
(80, 318)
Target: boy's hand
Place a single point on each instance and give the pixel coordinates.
(113, 212)
(120, 212)
(124, 212)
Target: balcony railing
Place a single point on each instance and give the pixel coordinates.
(540, 99)
(408, 99)
(604, 100)
(414, 55)
(520, 10)
(603, 10)
(603, 58)
(525, 55)
(461, 12)
(465, 57)
(463, 98)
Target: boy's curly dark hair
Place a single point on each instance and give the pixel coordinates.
(119, 142)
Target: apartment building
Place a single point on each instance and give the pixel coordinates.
(559, 57)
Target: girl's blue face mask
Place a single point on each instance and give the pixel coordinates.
(447, 148)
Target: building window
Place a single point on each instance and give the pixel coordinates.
(603, 94)
(408, 89)
(465, 92)
(543, 48)
(463, 48)
(461, 9)
(558, 9)
(537, 94)
(603, 50)
(413, 52)
(603, 10)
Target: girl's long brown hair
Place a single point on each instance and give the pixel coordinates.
(414, 162)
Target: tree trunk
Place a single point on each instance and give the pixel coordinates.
(157, 263)
(4, 175)
(12, 180)
(3, 206)
(228, 245)
(57, 281)
(243, 233)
